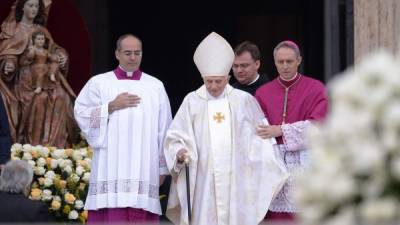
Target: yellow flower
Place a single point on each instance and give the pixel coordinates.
(35, 154)
(66, 209)
(82, 186)
(69, 198)
(63, 184)
(84, 214)
(48, 161)
(36, 194)
(69, 152)
(55, 205)
(41, 180)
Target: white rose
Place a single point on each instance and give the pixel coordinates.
(57, 198)
(73, 215)
(41, 161)
(63, 163)
(26, 147)
(46, 195)
(48, 182)
(16, 148)
(75, 178)
(379, 211)
(86, 177)
(32, 163)
(27, 156)
(76, 155)
(39, 170)
(79, 170)
(50, 174)
(68, 169)
(44, 151)
(79, 204)
(83, 152)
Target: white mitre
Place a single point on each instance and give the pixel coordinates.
(214, 56)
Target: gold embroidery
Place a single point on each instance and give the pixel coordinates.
(219, 117)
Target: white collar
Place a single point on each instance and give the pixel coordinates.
(128, 74)
(258, 76)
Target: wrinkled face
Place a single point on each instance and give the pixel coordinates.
(31, 9)
(216, 84)
(39, 40)
(245, 68)
(130, 54)
(287, 62)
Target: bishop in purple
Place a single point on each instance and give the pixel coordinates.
(291, 102)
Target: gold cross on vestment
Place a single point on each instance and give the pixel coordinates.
(219, 117)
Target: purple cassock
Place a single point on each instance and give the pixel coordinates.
(293, 105)
(306, 100)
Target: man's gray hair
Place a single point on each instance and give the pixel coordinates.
(122, 37)
(16, 177)
(288, 44)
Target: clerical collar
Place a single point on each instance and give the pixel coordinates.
(258, 76)
(289, 83)
(121, 74)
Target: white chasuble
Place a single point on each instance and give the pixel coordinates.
(220, 136)
(234, 174)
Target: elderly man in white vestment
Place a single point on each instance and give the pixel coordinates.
(234, 173)
(124, 114)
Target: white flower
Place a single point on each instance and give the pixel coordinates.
(44, 152)
(16, 148)
(46, 195)
(41, 161)
(379, 211)
(27, 156)
(79, 170)
(32, 163)
(50, 174)
(39, 170)
(73, 215)
(86, 177)
(68, 169)
(59, 154)
(57, 198)
(76, 155)
(356, 155)
(79, 204)
(27, 147)
(75, 178)
(48, 182)
(84, 152)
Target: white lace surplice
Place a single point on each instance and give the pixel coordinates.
(128, 156)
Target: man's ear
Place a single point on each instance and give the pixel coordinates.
(299, 59)
(258, 63)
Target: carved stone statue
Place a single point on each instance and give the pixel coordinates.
(33, 69)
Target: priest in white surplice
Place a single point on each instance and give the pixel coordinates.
(124, 114)
(233, 172)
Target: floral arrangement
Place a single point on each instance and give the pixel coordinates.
(61, 178)
(355, 173)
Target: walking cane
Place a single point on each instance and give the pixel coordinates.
(188, 190)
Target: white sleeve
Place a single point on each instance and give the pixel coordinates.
(164, 119)
(91, 114)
